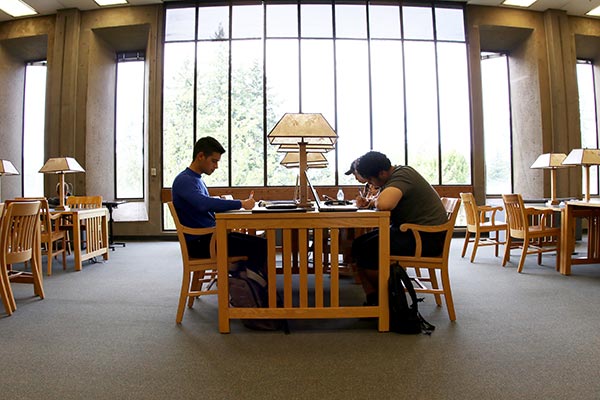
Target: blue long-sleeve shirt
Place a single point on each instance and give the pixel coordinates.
(195, 208)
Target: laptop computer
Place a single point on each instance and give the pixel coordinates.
(329, 206)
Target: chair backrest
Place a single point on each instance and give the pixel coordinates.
(183, 230)
(471, 212)
(20, 231)
(46, 222)
(84, 201)
(515, 212)
(1, 209)
(452, 206)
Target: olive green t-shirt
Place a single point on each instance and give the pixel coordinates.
(420, 203)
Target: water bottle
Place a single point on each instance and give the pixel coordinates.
(340, 195)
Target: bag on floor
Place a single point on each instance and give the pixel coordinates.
(404, 318)
(249, 289)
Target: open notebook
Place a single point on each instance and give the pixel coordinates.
(326, 205)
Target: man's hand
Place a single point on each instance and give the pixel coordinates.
(248, 204)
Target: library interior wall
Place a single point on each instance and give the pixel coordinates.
(80, 47)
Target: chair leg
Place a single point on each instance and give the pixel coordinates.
(475, 245)
(195, 286)
(507, 247)
(448, 294)
(185, 290)
(36, 274)
(497, 240)
(435, 285)
(49, 251)
(467, 236)
(523, 255)
(10, 298)
(4, 294)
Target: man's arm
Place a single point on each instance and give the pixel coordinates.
(388, 198)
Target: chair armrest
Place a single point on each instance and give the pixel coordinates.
(543, 215)
(417, 229)
(483, 210)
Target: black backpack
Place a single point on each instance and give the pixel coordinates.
(249, 289)
(404, 318)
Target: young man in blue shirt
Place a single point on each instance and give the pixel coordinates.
(196, 208)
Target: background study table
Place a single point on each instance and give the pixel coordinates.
(322, 225)
(96, 222)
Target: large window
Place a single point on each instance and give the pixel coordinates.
(33, 128)
(496, 123)
(129, 130)
(386, 76)
(588, 104)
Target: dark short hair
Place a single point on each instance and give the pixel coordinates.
(207, 145)
(372, 163)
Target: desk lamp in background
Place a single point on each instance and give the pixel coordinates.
(61, 166)
(6, 168)
(308, 133)
(313, 160)
(551, 161)
(585, 158)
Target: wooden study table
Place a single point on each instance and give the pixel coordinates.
(573, 210)
(322, 225)
(96, 222)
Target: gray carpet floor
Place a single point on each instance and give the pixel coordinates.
(109, 332)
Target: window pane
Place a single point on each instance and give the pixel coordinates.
(247, 165)
(213, 99)
(421, 109)
(388, 99)
(496, 125)
(213, 22)
(283, 80)
(247, 21)
(129, 143)
(180, 24)
(353, 104)
(418, 23)
(316, 20)
(318, 93)
(33, 129)
(317, 78)
(385, 22)
(351, 21)
(282, 20)
(588, 116)
(455, 131)
(178, 109)
(450, 24)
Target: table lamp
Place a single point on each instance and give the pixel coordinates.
(313, 160)
(6, 168)
(61, 166)
(299, 131)
(585, 158)
(551, 161)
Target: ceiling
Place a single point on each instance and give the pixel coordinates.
(46, 7)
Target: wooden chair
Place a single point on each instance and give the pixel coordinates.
(433, 264)
(80, 202)
(196, 271)
(532, 226)
(482, 220)
(51, 233)
(20, 243)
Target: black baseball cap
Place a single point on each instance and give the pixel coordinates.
(352, 168)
